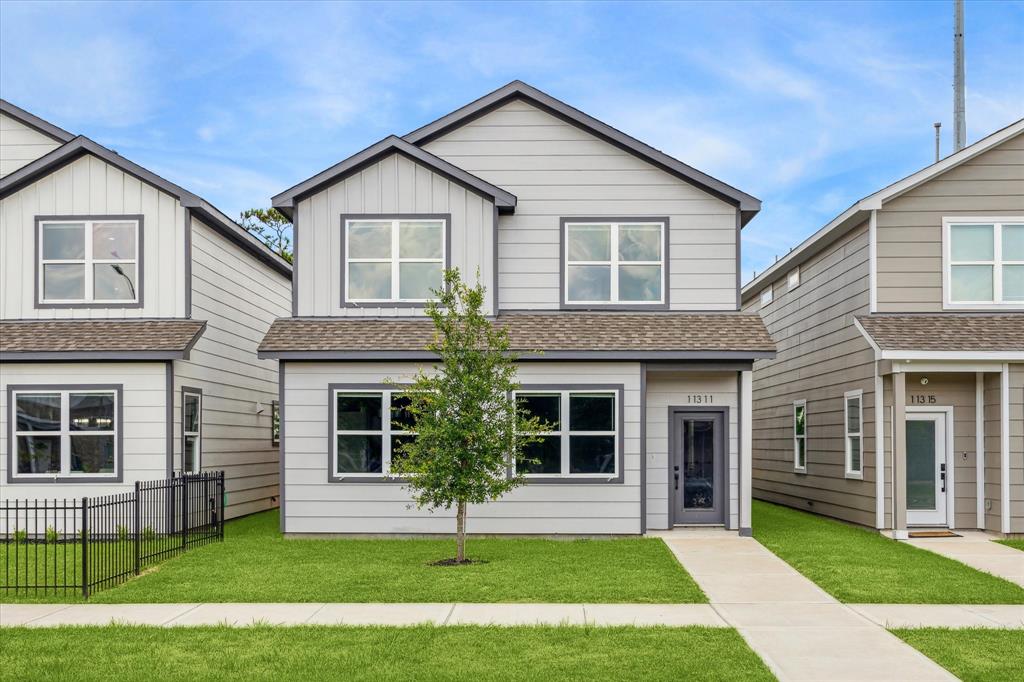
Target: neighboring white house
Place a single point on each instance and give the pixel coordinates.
(130, 313)
(617, 261)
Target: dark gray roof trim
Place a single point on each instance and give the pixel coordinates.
(286, 200)
(78, 356)
(748, 205)
(611, 355)
(81, 145)
(36, 123)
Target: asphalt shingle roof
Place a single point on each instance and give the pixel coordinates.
(946, 332)
(98, 336)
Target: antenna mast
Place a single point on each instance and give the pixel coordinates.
(959, 114)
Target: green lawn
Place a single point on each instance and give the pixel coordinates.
(1016, 544)
(858, 565)
(975, 654)
(378, 653)
(255, 564)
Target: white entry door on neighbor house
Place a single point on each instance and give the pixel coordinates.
(927, 474)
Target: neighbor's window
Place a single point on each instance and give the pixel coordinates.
(985, 262)
(89, 261)
(614, 262)
(70, 433)
(275, 423)
(853, 402)
(583, 441)
(767, 296)
(793, 281)
(191, 431)
(369, 430)
(390, 261)
(800, 435)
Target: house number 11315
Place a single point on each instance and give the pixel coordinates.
(922, 400)
(700, 399)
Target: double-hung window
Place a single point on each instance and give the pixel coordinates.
(614, 262)
(984, 261)
(800, 435)
(89, 262)
(191, 430)
(584, 438)
(369, 429)
(72, 433)
(854, 431)
(394, 261)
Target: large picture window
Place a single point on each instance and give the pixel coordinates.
(584, 436)
(854, 432)
(800, 435)
(984, 261)
(369, 428)
(89, 261)
(72, 433)
(614, 262)
(394, 261)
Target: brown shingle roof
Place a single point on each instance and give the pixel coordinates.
(635, 335)
(156, 339)
(946, 332)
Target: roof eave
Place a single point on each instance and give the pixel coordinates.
(547, 355)
(32, 121)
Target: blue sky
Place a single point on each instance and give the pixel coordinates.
(808, 106)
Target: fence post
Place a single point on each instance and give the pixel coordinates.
(138, 528)
(85, 547)
(222, 501)
(184, 511)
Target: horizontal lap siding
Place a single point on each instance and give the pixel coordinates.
(90, 186)
(21, 145)
(239, 297)
(665, 389)
(558, 170)
(821, 355)
(391, 186)
(313, 505)
(910, 227)
(144, 390)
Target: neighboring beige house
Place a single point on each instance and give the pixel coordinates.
(897, 396)
(618, 261)
(130, 312)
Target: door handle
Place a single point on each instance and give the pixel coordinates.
(942, 476)
(676, 476)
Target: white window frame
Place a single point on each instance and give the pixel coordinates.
(767, 295)
(997, 262)
(65, 433)
(793, 279)
(185, 434)
(796, 438)
(614, 263)
(565, 429)
(395, 260)
(385, 432)
(88, 263)
(857, 395)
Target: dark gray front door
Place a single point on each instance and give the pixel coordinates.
(698, 467)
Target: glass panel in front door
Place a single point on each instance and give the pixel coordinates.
(698, 464)
(921, 464)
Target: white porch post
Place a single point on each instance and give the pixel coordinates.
(879, 450)
(1004, 448)
(746, 449)
(979, 444)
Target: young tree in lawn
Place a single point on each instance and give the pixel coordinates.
(271, 227)
(468, 430)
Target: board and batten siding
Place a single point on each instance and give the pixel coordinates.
(821, 356)
(20, 144)
(239, 297)
(144, 396)
(558, 170)
(910, 226)
(313, 505)
(91, 186)
(670, 389)
(393, 185)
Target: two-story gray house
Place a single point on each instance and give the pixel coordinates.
(896, 399)
(130, 313)
(616, 260)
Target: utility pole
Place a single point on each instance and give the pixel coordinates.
(959, 113)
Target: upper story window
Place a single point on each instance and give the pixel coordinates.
(767, 296)
(89, 262)
(614, 262)
(793, 280)
(984, 261)
(394, 260)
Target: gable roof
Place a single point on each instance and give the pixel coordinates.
(286, 200)
(34, 122)
(209, 214)
(747, 204)
(902, 334)
(860, 210)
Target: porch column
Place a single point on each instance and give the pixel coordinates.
(979, 446)
(899, 455)
(746, 449)
(1004, 448)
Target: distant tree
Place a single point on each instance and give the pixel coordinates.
(271, 227)
(468, 429)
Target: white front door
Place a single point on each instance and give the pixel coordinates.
(926, 469)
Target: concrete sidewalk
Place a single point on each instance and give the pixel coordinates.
(977, 550)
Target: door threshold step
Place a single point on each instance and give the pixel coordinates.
(933, 534)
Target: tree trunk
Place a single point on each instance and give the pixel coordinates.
(460, 532)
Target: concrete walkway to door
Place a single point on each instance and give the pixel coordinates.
(977, 550)
(800, 631)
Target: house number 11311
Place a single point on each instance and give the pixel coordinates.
(700, 399)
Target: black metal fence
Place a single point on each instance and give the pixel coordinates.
(92, 543)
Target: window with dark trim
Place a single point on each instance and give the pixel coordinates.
(393, 260)
(584, 437)
(369, 428)
(614, 262)
(70, 433)
(89, 261)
